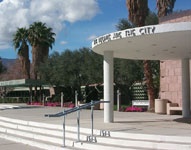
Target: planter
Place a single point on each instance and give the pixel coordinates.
(160, 106)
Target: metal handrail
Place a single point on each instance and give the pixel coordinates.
(66, 112)
(91, 104)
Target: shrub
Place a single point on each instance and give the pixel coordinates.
(134, 109)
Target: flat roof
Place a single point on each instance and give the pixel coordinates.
(155, 42)
(20, 83)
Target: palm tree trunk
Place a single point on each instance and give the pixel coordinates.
(36, 56)
(149, 83)
(35, 60)
(165, 7)
(138, 11)
(25, 62)
(45, 50)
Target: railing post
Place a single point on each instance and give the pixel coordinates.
(76, 98)
(78, 127)
(92, 138)
(43, 99)
(118, 100)
(62, 96)
(64, 138)
(92, 117)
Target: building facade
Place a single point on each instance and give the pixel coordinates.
(170, 70)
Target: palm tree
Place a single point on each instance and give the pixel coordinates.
(20, 43)
(41, 39)
(165, 7)
(138, 11)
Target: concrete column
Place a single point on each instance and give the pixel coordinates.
(108, 86)
(185, 88)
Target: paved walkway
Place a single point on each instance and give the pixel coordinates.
(7, 106)
(10, 145)
(132, 122)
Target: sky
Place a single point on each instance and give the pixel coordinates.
(76, 22)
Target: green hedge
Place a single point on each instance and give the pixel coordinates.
(14, 100)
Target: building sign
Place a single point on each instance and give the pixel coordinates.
(124, 34)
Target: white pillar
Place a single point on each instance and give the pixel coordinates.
(185, 88)
(108, 86)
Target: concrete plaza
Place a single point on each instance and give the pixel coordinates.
(133, 122)
(129, 122)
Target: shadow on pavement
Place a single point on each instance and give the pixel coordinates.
(141, 121)
(27, 107)
(183, 120)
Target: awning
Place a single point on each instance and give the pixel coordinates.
(21, 83)
(155, 42)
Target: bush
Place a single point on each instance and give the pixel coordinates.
(14, 100)
(134, 109)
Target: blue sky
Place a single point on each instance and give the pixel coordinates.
(76, 23)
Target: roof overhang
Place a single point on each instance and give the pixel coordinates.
(156, 42)
(20, 83)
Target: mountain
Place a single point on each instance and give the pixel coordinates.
(8, 62)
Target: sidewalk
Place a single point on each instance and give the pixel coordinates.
(10, 145)
(132, 122)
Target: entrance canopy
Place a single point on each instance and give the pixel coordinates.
(20, 83)
(156, 42)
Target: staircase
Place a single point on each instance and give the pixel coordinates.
(50, 137)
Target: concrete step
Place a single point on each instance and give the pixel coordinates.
(45, 136)
(153, 137)
(32, 142)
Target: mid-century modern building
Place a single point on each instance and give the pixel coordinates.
(169, 42)
(170, 70)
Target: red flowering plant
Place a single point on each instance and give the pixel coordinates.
(134, 109)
